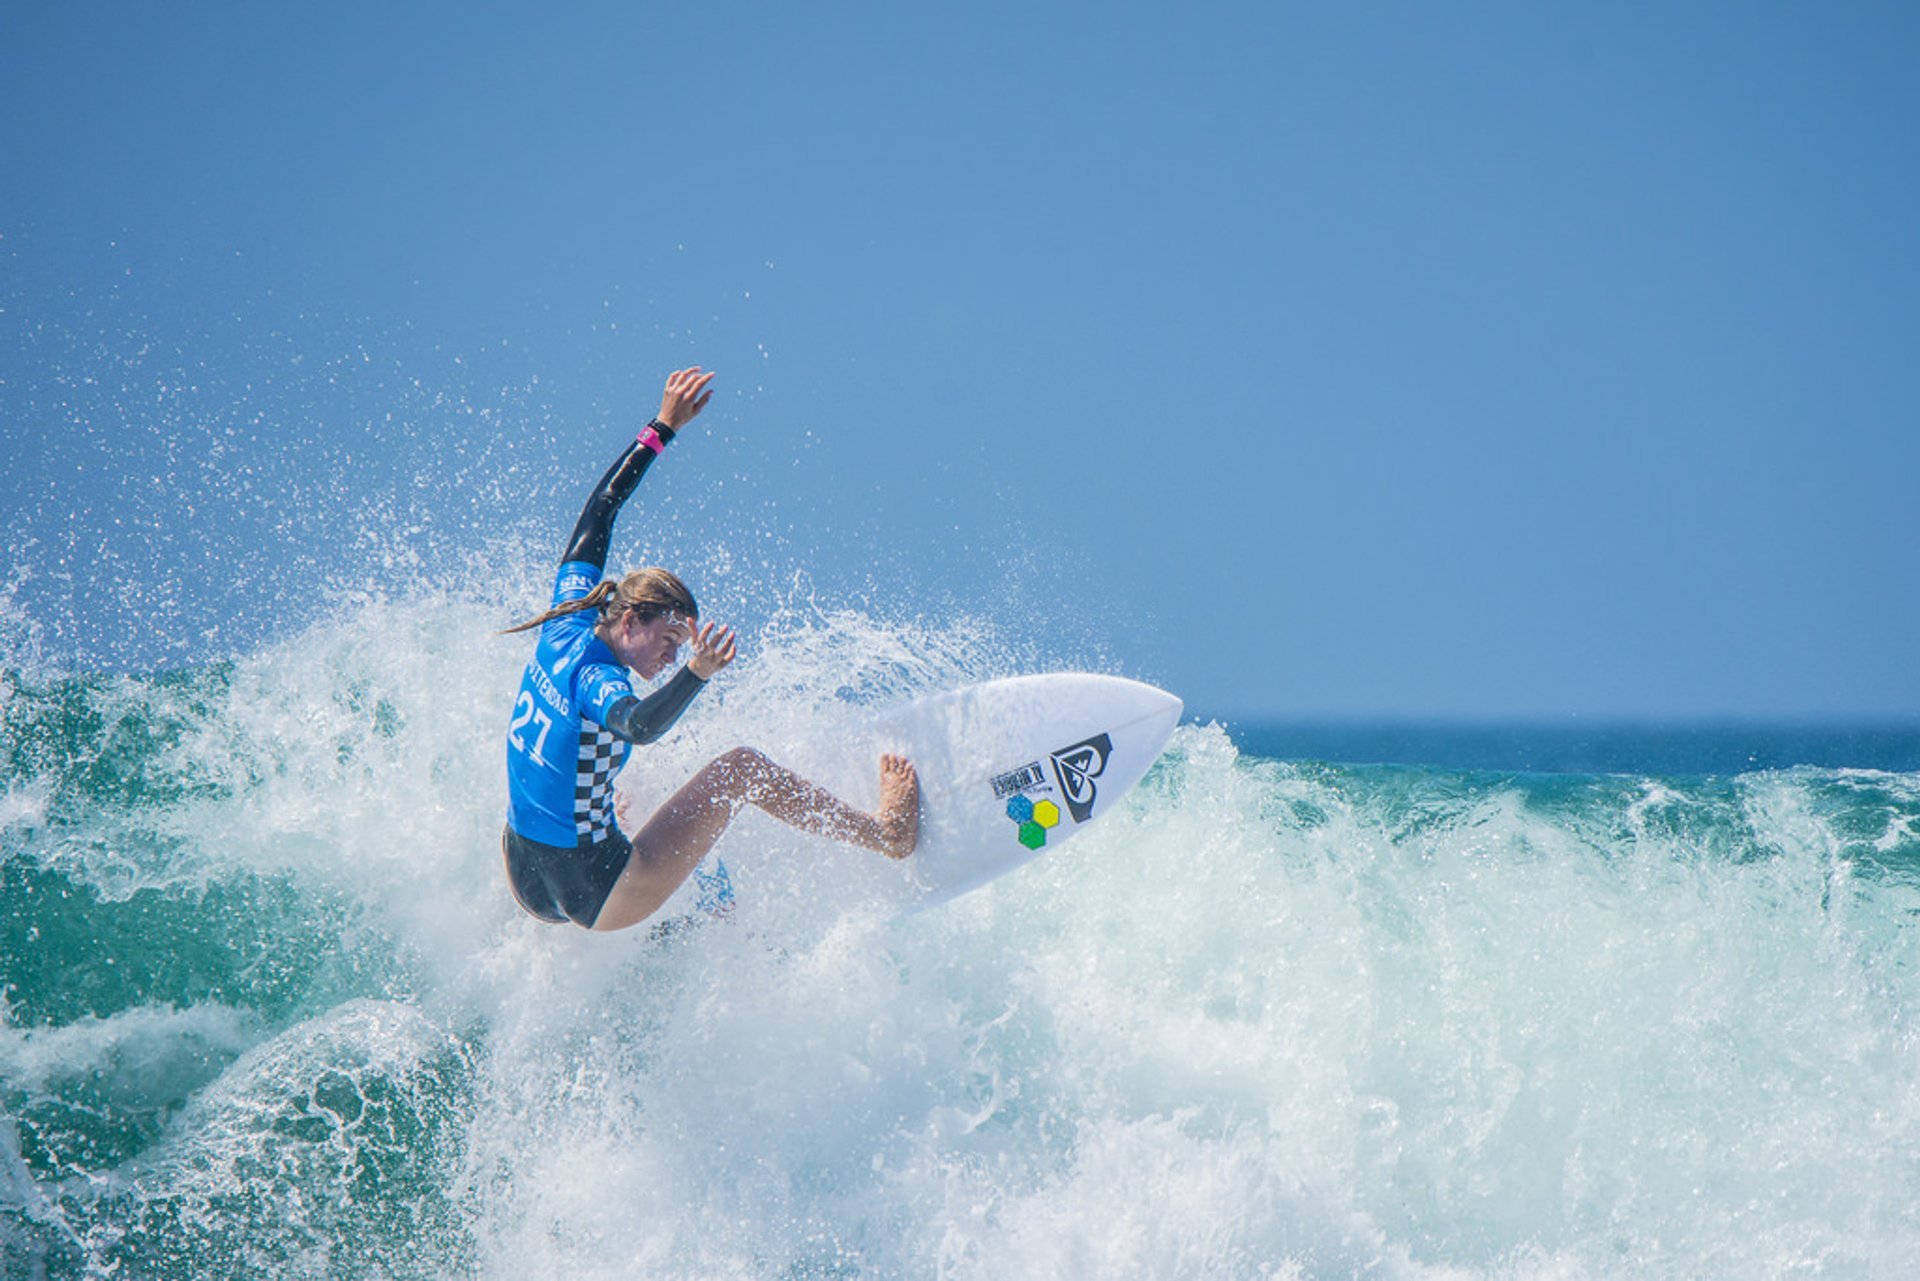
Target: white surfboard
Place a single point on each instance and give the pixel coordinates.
(1011, 769)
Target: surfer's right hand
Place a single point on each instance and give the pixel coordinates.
(687, 393)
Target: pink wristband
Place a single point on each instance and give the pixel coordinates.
(651, 439)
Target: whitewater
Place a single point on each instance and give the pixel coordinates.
(268, 1009)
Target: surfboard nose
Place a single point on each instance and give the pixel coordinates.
(1130, 700)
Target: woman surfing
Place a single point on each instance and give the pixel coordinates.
(576, 716)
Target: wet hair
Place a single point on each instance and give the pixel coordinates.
(646, 593)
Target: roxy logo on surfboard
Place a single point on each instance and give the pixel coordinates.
(1076, 767)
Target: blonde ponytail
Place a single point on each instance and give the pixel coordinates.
(649, 593)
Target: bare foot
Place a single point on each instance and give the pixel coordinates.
(899, 814)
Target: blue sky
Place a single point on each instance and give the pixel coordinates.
(1481, 360)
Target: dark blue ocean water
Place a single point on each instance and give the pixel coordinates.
(1673, 749)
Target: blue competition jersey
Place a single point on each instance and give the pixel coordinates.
(561, 758)
(576, 712)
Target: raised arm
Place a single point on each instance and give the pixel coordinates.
(687, 393)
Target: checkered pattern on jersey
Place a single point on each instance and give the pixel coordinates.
(601, 756)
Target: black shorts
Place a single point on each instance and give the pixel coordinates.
(558, 884)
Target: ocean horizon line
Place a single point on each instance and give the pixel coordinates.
(1679, 746)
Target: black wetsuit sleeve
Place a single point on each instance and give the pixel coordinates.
(594, 531)
(641, 720)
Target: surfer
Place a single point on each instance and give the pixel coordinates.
(576, 715)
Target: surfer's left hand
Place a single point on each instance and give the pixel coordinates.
(686, 394)
(712, 650)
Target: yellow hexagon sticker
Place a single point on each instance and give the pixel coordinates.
(1046, 814)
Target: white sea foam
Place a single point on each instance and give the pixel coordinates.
(23, 804)
(1265, 1021)
(148, 1052)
